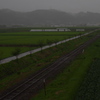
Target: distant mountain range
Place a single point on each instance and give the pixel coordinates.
(46, 17)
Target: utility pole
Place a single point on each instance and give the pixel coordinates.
(44, 83)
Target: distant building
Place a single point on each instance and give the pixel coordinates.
(50, 30)
(63, 29)
(36, 30)
(78, 30)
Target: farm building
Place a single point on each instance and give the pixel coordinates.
(63, 29)
(78, 30)
(50, 30)
(36, 30)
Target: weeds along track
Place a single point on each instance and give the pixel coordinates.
(35, 83)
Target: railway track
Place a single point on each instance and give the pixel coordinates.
(35, 83)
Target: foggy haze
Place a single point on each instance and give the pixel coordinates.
(73, 6)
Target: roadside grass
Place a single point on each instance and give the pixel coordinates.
(13, 72)
(90, 87)
(65, 86)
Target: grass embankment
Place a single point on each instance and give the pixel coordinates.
(90, 88)
(30, 38)
(66, 85)
(15, 71)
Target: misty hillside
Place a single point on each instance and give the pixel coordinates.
(49, 17)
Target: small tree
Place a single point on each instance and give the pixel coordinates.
(30, 50)
(1, 54)
(64, 38)
(16, 52)
(49, 42)
(56, 41)
(40, 43)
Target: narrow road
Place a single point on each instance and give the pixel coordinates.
(39, 49)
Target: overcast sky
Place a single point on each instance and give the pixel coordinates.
(63, 5)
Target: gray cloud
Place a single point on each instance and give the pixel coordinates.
(64, 5)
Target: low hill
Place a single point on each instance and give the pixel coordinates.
(49, 17)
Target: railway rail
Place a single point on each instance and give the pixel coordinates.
(35, 83)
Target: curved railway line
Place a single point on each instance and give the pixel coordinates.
(35, 83)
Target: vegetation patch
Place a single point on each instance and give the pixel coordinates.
(26, 41)
(90, 88)
(15, 71)
(66, 85)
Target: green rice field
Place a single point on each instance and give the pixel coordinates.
(28, 38)
(34, 37)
